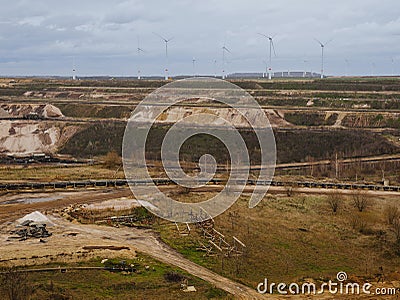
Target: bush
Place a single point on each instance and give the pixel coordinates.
(361, 224)
(392, 213)
(335, 201)
(360, 200)
(174, 277)
(112, 160)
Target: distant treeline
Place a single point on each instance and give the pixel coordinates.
(292, 145)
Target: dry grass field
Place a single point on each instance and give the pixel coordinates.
(293, 238)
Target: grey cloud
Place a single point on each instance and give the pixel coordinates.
(103, 35)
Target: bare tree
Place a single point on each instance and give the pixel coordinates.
(360, 200)
(335, 201)
(391, 213)
(15, 284)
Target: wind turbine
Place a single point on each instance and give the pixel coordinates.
(322, 55)
(266, 69)
(224, 49)
(166, 52)
(139, 50)
(215, 67)
(305, 68)
(271, 48)
(73, 69)
(194, 66)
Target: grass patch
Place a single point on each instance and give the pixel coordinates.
(148, 280)
(310, 119)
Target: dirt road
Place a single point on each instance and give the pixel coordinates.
(145, 241)
(10, 212)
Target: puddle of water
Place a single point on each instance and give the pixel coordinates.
(31, 200)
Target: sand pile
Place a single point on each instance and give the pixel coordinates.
(36, 217)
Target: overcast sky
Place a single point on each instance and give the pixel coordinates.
(43, 37)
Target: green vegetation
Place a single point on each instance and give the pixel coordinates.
(371, 121)
(96, 139)
(145, 279)
(292, 146)
(310, 118)
(94, 111)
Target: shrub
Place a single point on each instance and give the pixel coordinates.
(112, 160)
(361, 224)
(335, 201)
(360, 200)
(173, 277)
(392, 213)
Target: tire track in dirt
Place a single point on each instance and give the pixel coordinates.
(146, 242)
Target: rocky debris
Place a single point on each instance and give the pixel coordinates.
(33, 225)
(29, 94)
(30, 229)
(189, 288)
(50, 111)
(40, 111)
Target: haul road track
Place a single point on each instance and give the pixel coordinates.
(109, 183)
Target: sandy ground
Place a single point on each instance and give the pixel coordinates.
(145, 241)
(10, 212)
(32, 251)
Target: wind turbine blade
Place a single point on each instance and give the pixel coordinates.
(322, 45)
(328, 42)
(169, 39)
(160, 36)
(273, 47)
(226, 49)
(263, 35)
